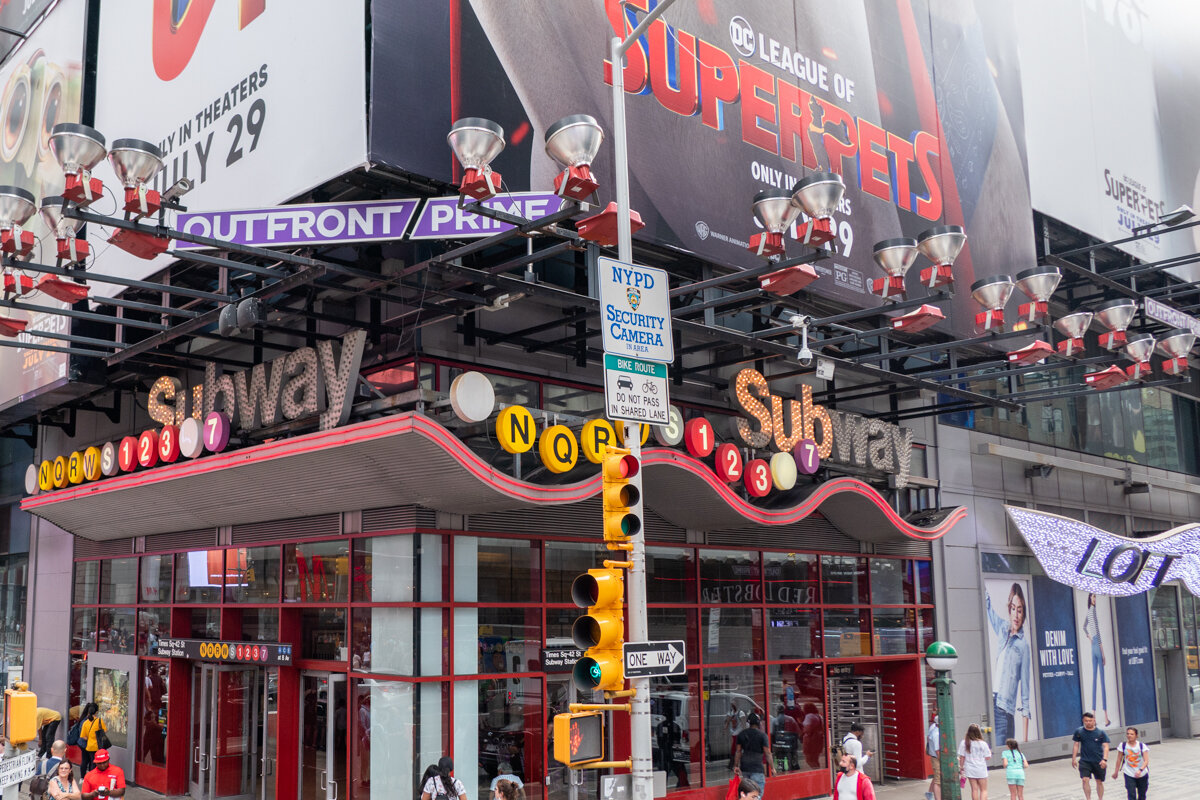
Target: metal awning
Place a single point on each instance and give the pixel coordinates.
(410, 458)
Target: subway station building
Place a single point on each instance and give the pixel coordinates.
(299, 502)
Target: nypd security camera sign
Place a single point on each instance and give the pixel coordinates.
(635, 311)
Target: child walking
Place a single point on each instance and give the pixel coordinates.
(1014, 770)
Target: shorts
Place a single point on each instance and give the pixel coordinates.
(1016, 781)
(1091, 769)
(936, 767)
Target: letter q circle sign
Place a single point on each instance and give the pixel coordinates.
(472, 397)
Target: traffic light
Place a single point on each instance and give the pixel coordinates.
(20, 712)
(600, 632)
(622, 497)
(579, 738)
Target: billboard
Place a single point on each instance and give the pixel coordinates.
(1011, 658)
(1058, 658)
(1120, 149)
(235, 96)
(41, 81)
(1098, 657)
(916, 104)
(1137, 661)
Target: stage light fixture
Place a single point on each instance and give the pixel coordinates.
(1106, 378)
(895, 257)
(1138, 349)
(16, 207)
(1174, 347)
(68, 248)
(992, 293)
(818, 196)
(941, 245)
(776, 212)
(476, 142)
(1038, 284)
(78, 149)
(1116, 315)
(922, 317)
(1073, 326)
(573, 143)
(136, 163)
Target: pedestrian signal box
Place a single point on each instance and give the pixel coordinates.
(20, 714)
(579, 738)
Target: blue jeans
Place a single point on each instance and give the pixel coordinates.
(1135, 788)
(760, 780)
(1098, 668)
(1006, 727)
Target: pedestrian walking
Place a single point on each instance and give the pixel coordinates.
(89, 732)
(443, 785)
(933, 743)
(1133, 758)
(752, 756)
(851, 784)
(1014, 769)
(973, 755)
(852, 744)
(1090, 755)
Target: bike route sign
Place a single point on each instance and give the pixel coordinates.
(636, 390)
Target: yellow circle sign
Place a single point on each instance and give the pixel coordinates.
(515, 429)
(75, 467)
(558, 448)
(91, 463)
(596, 435)
(46, 476)
(224, 651)
(60, 473)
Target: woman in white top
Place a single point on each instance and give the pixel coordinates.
(973, 755)
(444, 784)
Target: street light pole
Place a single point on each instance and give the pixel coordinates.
(642, 784)
(942, 657)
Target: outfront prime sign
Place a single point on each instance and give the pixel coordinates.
(313, 224)
(1092, 560)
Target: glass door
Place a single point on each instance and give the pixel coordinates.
(228, 708)
(323, 735)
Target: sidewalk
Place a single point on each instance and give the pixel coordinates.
(1174, 775)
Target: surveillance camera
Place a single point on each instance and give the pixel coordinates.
(805, 357)
(800, 320)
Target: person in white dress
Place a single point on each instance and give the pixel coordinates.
(973, 755)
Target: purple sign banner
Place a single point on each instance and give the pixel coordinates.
(443, 219)
(1171, 316)
(315, 224)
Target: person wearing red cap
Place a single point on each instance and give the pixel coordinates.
(105, 780)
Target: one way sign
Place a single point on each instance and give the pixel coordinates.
(654, 659)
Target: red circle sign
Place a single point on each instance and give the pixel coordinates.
(699, 438)
(147, 448)
(127, 454)
(758, 478)
(729, 463)
(168, 444)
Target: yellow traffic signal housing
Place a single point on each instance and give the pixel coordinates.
(622, 495)
(579, 738)
(20, 714)
(601, 632)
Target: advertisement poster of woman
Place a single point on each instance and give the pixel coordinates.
(1010, 646)
(1097, 657)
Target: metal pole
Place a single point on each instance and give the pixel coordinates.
(947, 752)
(642, 783)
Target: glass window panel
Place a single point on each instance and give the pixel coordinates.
(731, 634)
(729, 577)
(398, 569)
(317, 572)
(895, 631)
(116, 630)
(797, 695)
(110, 691)
(260, 625)
(793, 633)
(1164, 618)
(891, 582)
(206, 623)
(731, 695)
(87, 581)
(75, 691)
(844, 580)
(670, 575)
(152, 738)
(83, 631)
(155, 585)
(153, 624)
(675, 727)
(790, 578)
(398, 641)
(497, 640)
(198, 576)
(572, 400)
(385, 714)
(847, 633)
(928, 634)
(499, 721)
(323, 634)
(675, 624)
(566, 561)
(252, 575)
(924, 570)
(497, 570)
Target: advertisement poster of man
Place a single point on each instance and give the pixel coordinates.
(1097, 657)
(1010, 659)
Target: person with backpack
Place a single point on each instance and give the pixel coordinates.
(90, 729)
(443, 785)
(39, 784)
(1014, 769)
(1133, 758)
(852, 745)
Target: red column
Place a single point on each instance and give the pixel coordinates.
(179, 718)
(288, 744)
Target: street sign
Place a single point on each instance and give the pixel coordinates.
(654, 659)
(15, 769)
(636, 390)
(635, 311)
